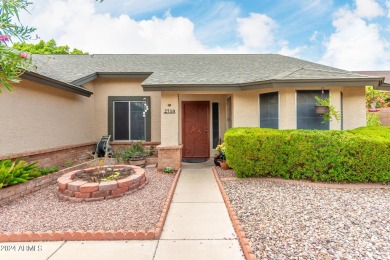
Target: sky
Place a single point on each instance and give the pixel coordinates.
(347, 34)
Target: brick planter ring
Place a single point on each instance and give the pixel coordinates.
(78, 190)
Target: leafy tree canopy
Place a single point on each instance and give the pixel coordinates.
(43, 47)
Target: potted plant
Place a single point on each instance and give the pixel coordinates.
(326, 109)
(375, 99)
(217, 155)
(221, 160)
(135, 154)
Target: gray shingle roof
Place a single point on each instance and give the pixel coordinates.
(380, 73)
(190, 69)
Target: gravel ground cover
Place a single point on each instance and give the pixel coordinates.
(43, 211)
(289, 221)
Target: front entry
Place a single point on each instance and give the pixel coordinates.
(195, 129)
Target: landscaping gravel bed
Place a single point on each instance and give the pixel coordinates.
(289, 221)
(43, 211)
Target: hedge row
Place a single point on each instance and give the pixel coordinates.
(360, 155)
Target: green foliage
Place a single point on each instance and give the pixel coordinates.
(45, 171)
(133, 151)
(68, 163)
(373, 95)
(373, 119)
(112, 177)
(11, 67)
(360, 155)
(13, 172)
(9, 19)
(12, 63)
(43, 47)
(168, 170)
(332, 110)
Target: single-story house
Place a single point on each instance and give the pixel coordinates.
(183, 104)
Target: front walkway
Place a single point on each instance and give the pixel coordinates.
(197, 227)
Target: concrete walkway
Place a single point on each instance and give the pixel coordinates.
(197, 227)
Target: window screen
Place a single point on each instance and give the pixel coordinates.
(129, 120)
(269, 110)
(137, 123)
(121, 120)
(306, 115)
(215, 118)
(229, 113)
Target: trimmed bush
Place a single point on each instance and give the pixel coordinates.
(360, 155)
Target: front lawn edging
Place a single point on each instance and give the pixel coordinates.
(246, 248)
(16, 191)
(81, 235)
(78, 191)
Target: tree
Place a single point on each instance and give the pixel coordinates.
(12, 62)
(43, 47)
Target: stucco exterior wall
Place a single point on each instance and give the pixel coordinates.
(105, 87)
(245, 107)
(354, 107)
(36, 117)
(170, 122)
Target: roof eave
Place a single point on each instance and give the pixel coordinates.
(117, 75)
(384, 86)
(38, 78)
(265, 84)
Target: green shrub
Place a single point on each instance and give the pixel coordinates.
(135, 151)
(45, 171)
(13, 172)
(360, 155)
(168, 170)
(373, 119)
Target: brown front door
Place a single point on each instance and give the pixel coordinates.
(195, 129)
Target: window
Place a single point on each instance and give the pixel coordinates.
(342, 109)
(269, 110)
(215, 123)
(129, 118)
(306, 115)
(229, 113)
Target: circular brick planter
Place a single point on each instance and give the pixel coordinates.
(78, 190)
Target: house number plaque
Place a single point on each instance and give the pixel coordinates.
(169, 111)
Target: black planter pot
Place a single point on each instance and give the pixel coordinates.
(218, 159)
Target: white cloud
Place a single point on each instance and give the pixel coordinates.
(77, 24)
(256, 32)
(368, 9)
(356, 44)
(286, 50)
(388, 8)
